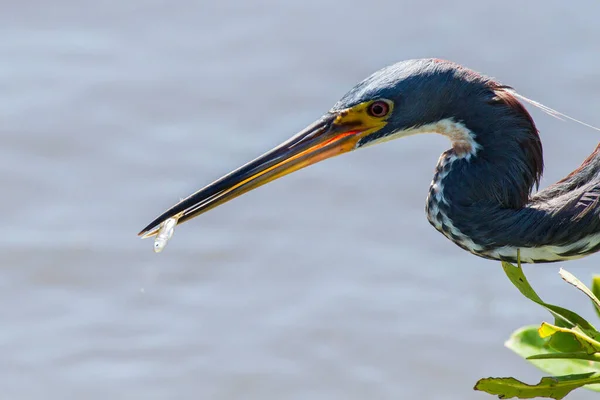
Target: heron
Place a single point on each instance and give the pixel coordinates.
(484, 195)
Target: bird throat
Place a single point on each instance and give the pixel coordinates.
(462, 138)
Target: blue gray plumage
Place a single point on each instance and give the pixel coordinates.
(489, 195)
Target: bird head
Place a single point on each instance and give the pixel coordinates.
(409, 97)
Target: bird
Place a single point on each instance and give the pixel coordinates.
(484, 195)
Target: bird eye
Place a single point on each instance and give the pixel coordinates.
(379, 109)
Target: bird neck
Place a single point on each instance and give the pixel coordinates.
(498, 173)
(504, 161)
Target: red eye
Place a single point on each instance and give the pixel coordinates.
(379, 109)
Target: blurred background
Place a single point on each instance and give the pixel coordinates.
(327, 284)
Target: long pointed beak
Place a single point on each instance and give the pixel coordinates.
(325, 138)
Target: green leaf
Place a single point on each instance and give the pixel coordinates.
(571, 356)
(516, 276)
(565, 343)
(549, 387)
(570, 278)
(569, 350)
(527, 343)
(589, 345)
(596, 289)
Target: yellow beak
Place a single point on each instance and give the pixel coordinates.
(333, 134)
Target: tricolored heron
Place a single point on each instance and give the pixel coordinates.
(481, 194)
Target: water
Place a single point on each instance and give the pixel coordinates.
(328, 284)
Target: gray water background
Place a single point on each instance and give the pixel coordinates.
(327, 284)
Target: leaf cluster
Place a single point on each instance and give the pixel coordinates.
(568, 348)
